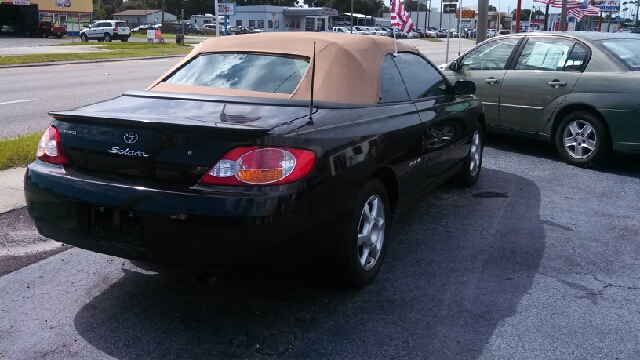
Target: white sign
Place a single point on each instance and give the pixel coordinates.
(21, 2)
(226, 9)
(607, 5)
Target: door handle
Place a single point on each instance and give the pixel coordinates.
(492, 81)
(557, 83)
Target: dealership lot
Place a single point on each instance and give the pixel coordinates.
(539, 260)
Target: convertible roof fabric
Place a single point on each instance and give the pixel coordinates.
(347, 66)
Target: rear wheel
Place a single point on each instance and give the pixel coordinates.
(44, 35)
(581, 139)
(107, 37)
(363, 249)
(124, 39)
(84, 38)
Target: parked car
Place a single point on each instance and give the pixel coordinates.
(255, 29)
(228, 163)
(491, 33)
(209, 29)
(341, 30)
(46, 29)
(237, 30)
(185, 26)
(106, 30)
(504, 32)
(6, 29)
(361, 30)
(578, 90)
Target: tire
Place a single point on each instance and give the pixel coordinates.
(58, 36)
(361, 262)
(107, 37)
(470, 171)
(124, 39)
(84, 38)
(582, 140)
(44, 35)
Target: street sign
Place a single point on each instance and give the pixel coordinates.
(466, 14)
(449, 9)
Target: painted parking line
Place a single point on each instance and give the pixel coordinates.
(17, 101)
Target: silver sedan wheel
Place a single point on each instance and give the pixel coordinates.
(580, 139)
(371, 232)
(475, 153)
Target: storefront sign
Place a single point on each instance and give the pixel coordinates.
(607, 5)
(71, 6)
(226, 9)
(466, 14)
(20, 2)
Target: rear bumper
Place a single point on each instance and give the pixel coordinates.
(191, 227)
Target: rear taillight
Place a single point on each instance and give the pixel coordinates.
(115, 29)
(49, 148)
(250, 166)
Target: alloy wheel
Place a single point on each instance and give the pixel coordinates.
(580, 140)
(371, 232)
(475, 153)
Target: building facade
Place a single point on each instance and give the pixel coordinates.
(278, 18)
(143, 17)
(22, 14)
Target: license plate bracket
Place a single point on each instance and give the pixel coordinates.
(114, 226)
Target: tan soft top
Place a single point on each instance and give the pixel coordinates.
(347, 66)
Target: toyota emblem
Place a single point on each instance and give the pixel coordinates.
(130, 137)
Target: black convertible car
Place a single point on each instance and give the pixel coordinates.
(260, 152)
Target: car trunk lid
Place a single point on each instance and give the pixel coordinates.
(163, 138)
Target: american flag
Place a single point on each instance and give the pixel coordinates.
(399, 17)
(575, 12)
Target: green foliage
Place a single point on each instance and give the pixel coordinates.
(18, 151)
(492, 8)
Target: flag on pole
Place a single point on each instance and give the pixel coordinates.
(575, 12)
(399, 17)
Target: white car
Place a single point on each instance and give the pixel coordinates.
(378, 31)
(341, 30)
(361, 30)
(106, 30)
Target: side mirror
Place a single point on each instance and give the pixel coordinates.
(454, 66)
(464, 87)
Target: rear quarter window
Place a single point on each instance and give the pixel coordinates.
(121, 23)
(626, 51)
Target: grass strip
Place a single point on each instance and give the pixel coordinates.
(18, 151)
(114, 51)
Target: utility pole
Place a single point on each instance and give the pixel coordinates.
(563, 16)
(441, 10)
(352, 15)
(163, 15)
(483, 15)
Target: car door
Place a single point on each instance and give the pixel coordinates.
(486, 66)
(546, 70)
(441, 140)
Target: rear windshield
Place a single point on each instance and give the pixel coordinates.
(121, 24)
(625, 50)
(255, 72)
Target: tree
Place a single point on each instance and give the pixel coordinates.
(637, 4)
(492, 8)
(524, 14)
